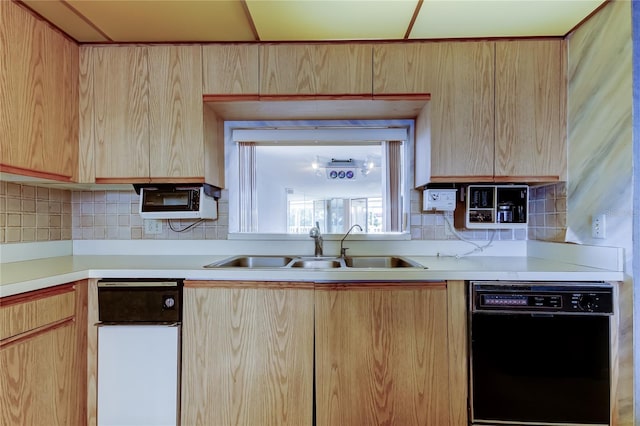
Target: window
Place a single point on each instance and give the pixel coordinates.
(283, 178)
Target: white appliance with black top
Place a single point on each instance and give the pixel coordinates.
(139, 352)
(540, 353)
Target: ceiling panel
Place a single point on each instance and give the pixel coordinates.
(308, 20)
(66, 19)
(490, 18)
(169, 20)
(280, 20)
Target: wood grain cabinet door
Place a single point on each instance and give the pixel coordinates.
(176, 141)
(121, 113)
(403, 68)
(230, 69)
(315, 69)
(381, 355)
(461, 108)
(247, 356)
(530, 134)
(38, 97)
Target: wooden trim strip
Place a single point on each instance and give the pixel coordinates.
(250, 21)
(230, 98)
(457, 349)
(526, 179)
(195, 179)
(123, 180)
(86, 20)
(403, 97)
(5, 168)
(36, 294)
(13, 340)
(461, 179)
(250, 284)
(413, 19)
(333, 97)
(382, 285)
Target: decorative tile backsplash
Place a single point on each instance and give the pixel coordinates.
(32, 213)
(113, 215)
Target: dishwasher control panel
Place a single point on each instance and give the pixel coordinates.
(560, 297)
(140, 301)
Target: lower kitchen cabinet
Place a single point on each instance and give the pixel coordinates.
(247, 354)
(381, 354)
(43, 357)
(368, 353)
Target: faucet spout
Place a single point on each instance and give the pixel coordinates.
(343, 250)
(317, 237)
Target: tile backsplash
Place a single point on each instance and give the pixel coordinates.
(33, 213)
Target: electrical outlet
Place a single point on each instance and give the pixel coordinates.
(439, 200)
(599, 226)
(152, 226)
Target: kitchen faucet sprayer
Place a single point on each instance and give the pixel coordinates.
(343, 251)
(317, 237)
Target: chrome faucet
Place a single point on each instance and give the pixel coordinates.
(317, 237)
(343, 251)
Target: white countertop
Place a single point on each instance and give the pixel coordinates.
(21, 276)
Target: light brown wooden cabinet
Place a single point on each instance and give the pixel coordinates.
(38, 99)
(230, 69)
(247, 354)
(381, 355)
(316, 69)
(147, 122)
(121, 112)
(496, 108)
(43, 357)
(370, 353)
(530, 102)
(455, 129)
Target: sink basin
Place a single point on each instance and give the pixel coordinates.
(317, 263)
(380, 262)
(252, 262)
(259, 261)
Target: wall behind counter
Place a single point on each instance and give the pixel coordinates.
(34, 213)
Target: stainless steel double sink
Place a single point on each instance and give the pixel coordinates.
(312, 262)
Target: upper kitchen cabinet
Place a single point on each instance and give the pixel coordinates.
(121, 113)
(461, 111)
(530, 103)
(38, 97)
(230, 69)
(177, 150)
(147, 121)
(403, 69)
(315, 69)
(454, 132)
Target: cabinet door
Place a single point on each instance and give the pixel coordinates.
(38, 97)
(230, 69)
(381, 355)
(404, 68)
(175, 114)
(315, 69)
(530, 138)
(43, 354)
(462, 115)
(247, 356)
(121, 102)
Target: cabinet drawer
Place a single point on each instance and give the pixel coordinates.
(30, 311)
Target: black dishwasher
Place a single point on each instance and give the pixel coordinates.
(540, 353)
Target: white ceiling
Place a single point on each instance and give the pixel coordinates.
(121, 21)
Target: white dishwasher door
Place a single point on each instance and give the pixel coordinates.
(138, 375)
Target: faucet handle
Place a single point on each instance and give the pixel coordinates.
(343, 251)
